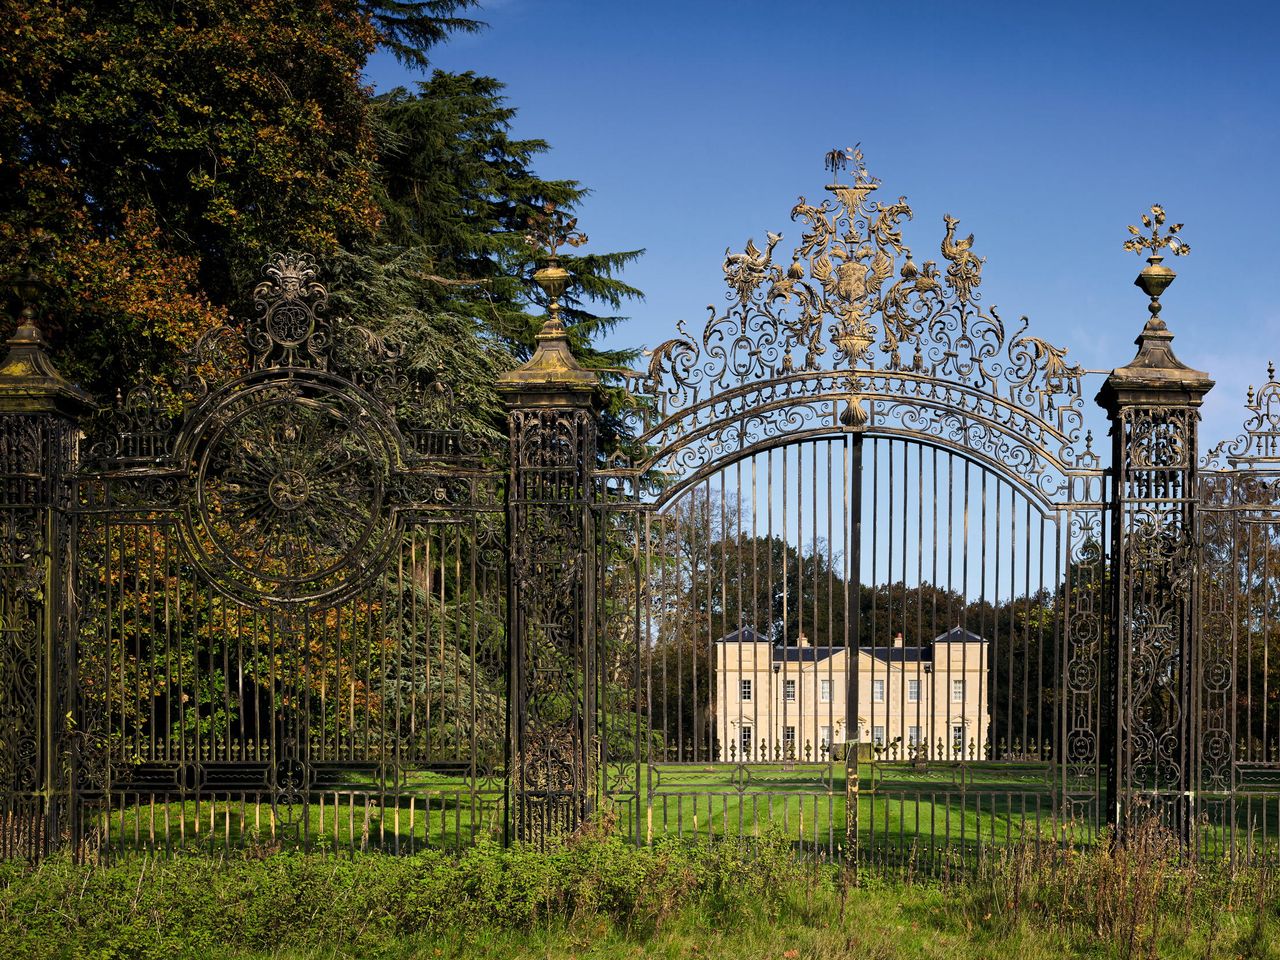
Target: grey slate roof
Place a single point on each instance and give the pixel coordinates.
(887, 654)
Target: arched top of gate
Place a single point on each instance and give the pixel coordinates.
(852, 329)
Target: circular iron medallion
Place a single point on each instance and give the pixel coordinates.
(290, 484)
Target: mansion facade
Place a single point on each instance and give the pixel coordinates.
(790, 702)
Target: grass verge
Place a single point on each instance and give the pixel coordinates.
(599, 896)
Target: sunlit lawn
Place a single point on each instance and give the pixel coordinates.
(903, 811)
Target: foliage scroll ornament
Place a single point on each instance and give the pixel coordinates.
(1258, 444)
(288, 446)
(852, 303)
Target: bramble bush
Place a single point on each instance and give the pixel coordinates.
(598, 895)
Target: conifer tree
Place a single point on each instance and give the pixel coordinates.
(153, 154)
(455, 185)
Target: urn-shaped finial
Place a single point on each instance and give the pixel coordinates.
(1156, 277)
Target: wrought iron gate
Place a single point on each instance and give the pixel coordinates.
(1236, 710)
(861, 586)
(859, 575)
(285, 617)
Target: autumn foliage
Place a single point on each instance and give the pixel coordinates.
(153, 154)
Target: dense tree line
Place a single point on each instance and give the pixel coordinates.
(152, 155)
(709, 580)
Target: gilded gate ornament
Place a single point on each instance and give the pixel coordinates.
(290, 487)
(850, 282)
(852, 329)
(290, 464)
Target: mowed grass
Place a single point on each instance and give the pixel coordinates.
(939, 814)
(902, 811)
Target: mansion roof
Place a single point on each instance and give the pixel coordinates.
(806, 653)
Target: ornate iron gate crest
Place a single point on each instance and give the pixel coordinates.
(291, 465)
(854, 432)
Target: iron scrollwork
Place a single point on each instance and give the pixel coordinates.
(853, 284)
(876, 339)
(290, 490)
(1258, 443)
(286, 448)
(550, 671)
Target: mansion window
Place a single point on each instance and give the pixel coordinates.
(957, 691)
(789, 690)
(913, 691)
(746, 741)
(824, 691)
(877, 691)
(744, 690)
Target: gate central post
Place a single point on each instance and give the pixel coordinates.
(1153, 403)
(40, 428)
(552, 406)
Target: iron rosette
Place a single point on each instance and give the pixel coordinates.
(291, 488)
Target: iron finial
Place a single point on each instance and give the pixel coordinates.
(553, 362)
(27, 289)
(836, 160)
(548, 229)
(1155, 277)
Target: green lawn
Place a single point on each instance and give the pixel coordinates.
(922, 816)
(903, 811)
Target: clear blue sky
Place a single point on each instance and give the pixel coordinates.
(1046, 128)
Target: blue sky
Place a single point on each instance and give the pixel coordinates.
(1045, 128)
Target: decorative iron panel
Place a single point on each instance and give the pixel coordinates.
(292, 594)
(1237, 719)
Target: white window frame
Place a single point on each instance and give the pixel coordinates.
(824, 737)
(913, 736)
(744, 690)
(788, 740)
(877, 736)
(824, 691)
(913, 691)
(877, 691)
(789, 690)
(957, 687)
(744, 740)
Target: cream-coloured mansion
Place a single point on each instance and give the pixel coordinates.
(774, 701)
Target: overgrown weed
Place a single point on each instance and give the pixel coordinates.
(596, 894)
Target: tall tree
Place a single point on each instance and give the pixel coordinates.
(457, 187)
(152, 154)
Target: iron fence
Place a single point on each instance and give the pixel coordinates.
(858, 575)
